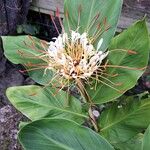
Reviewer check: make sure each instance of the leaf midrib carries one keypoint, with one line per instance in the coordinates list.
(51, 140)
(113, 70)
(53, 107)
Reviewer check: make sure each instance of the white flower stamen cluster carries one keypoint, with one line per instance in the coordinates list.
(74, 57)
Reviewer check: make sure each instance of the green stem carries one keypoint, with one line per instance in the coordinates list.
(93, 120)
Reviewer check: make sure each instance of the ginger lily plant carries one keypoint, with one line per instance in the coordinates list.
(85, 57)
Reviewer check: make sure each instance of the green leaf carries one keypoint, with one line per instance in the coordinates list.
(25, 50)
(13, 45)
(28, 29)
(60, 134)
(22, 124)
(36, 102)
(146, 139)
(130, 51)
(121, 123)
(139, 142)
(88, 10)
(133, 144)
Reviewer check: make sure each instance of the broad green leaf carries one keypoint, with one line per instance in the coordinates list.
(130, 51)
(20, 49)
(133, 144)
(36, 102)
(81, 13)
(25, 50)
(139, 142)
(121, 123)
(60, 134)
(146, 139)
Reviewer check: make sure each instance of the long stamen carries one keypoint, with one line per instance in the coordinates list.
(33, 47)
(109, 75)
(50, 82)
(123, 67)
(93, 21)
(67, 17)
(98, 28)
(54, 24)
(32, 69)
(60, 21)
(62, 86)
(33, 57)
(116, 84)
(44, 45)
(109, 85)
(29, 55)
(101, 31)
(35, 65)
(124, 50)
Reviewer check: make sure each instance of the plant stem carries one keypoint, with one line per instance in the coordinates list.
(93, 120)
(84, 93)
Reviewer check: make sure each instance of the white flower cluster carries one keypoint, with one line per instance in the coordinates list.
(74, 57)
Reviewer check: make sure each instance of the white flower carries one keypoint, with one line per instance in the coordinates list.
(75, 57)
